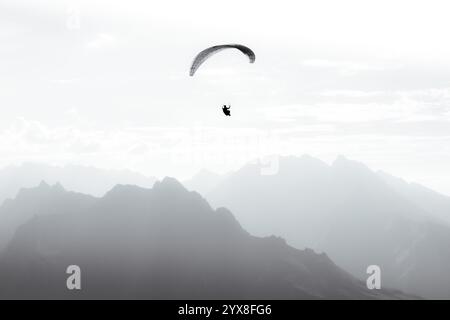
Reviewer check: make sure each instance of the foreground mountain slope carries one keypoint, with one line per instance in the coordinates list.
(347, 211)
(160, 243)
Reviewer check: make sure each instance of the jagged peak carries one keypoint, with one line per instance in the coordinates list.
(343, 160)
(58, 186)
(43, 184)
(122, 189)
(169, 183)
(42, 189)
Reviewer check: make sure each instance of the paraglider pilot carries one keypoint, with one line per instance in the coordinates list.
(226, 110)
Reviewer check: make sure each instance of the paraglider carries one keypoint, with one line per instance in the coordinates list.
(205, 54)
(226, 110)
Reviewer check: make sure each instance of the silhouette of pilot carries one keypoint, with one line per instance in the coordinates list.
(226, 110)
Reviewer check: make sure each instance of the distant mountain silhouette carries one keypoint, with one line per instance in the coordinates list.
(42, 200)
(436, 204)
(352, 214)
(83, 179)
(204, 181)
(163, 242)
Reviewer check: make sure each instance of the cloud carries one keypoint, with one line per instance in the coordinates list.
(101, 41)
(354, 88)
(25, 136)
(352, 94)
(344, 68)
(181, 151)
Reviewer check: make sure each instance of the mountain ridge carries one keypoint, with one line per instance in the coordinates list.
(84, 179)
(165, 243)
(348, 211)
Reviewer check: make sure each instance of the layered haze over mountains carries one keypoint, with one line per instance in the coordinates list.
(168, 242)
(79, 178)
(97, 109)
(160, 243)
(357, 216)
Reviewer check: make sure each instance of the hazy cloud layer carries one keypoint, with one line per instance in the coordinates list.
(107, 84)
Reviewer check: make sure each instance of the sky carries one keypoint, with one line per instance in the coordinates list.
(106, 84)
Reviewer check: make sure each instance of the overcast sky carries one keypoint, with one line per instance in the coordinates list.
(105, 83)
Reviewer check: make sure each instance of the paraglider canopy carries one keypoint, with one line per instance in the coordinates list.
(205, 54)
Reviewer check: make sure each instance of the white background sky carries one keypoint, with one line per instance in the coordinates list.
(105, 83)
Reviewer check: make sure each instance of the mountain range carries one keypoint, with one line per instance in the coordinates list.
(89, 180)
(158, 243)
(357, 216)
